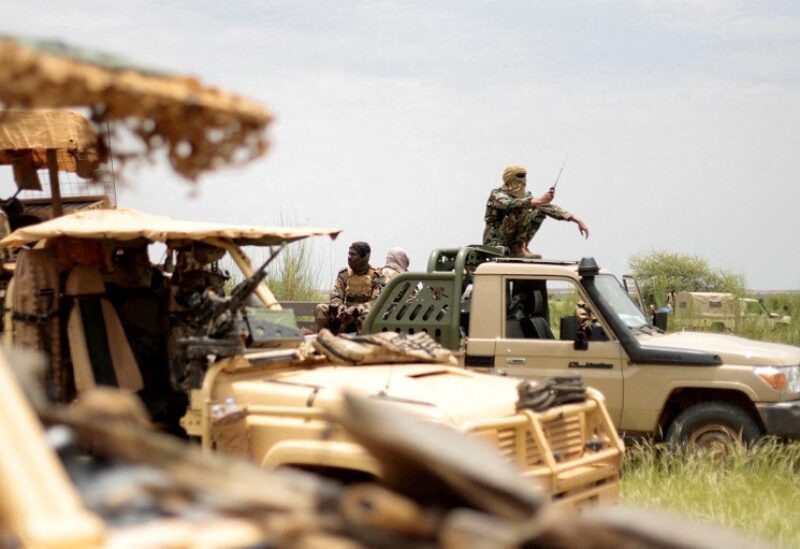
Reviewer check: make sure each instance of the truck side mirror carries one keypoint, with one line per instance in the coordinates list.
(568, 330)
(661, 320)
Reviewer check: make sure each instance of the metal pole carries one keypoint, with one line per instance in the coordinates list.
(55, 189)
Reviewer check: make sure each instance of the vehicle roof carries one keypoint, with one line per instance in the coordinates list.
(707, 296)
(523, 267)
(127, 224)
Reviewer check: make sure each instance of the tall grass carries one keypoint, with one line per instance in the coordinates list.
(752, 489)
(293, 276)
(297, 275)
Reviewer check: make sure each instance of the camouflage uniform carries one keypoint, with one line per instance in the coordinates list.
(5, 230)
(349, 289)
(513, 221)
(586, 319)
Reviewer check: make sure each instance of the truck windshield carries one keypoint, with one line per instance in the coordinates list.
(617, 298)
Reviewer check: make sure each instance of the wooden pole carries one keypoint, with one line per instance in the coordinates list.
(55, 189)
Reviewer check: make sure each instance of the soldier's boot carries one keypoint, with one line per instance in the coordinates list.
(518, 250)
(531, 254)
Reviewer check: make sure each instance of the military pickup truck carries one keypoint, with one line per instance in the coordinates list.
(518, 317)
(723, 311)
(225, 364)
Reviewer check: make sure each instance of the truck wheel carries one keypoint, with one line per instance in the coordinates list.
(710, 424)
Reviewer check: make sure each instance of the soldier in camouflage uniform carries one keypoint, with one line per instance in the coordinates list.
(355, 289)
(513, 216)
(586, 320)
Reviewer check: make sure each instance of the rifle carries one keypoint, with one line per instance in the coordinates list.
(214, 327)
(216, 314)
(559, 172)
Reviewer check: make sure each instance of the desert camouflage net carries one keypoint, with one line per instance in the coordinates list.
(200, 127)
(382, 348)
(32, 132)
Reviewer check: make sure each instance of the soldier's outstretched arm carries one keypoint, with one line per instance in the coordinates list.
(557, 212)
(581, 226)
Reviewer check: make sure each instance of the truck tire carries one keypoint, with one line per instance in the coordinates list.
(713, 423)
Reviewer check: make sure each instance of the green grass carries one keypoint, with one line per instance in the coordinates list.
(754, 490)
(293, 276)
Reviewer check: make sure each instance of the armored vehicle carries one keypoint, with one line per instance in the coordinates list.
(541, 318)
(93, 476)
(229, 367)
(723, 311)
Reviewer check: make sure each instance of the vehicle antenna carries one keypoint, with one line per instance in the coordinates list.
(559, 171)
(111, 159)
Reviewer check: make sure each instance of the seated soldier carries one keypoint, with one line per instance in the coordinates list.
(138, 292)
(196, 274)
(353, 293)
(396, 263)
(586, 320)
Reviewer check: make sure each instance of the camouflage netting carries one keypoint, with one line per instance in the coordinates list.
(201, 128)
(27, 135)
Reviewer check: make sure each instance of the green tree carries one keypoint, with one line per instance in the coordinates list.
(661, 272)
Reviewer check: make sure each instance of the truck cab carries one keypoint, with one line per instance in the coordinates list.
(518, 317)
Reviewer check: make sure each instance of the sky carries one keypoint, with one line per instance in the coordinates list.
(680, 119)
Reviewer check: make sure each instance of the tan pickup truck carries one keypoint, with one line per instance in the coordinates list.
(519, 317)
(234, 371)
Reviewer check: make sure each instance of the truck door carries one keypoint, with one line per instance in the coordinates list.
(632, 287)
(539, 337)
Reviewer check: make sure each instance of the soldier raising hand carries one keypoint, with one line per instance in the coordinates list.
(513, 216)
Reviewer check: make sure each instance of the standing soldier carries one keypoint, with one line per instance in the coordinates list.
(513, 216)
(357, 286)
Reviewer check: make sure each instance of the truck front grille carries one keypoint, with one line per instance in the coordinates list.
(564, 437)
(529, 437)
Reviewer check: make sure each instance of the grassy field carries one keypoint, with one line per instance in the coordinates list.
(753, 490)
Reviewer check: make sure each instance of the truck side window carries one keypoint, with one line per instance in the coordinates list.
(543, 309)
(526, 310)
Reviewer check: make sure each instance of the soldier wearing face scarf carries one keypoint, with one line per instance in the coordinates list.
(513, 216)
(356, 287)
(396, 263)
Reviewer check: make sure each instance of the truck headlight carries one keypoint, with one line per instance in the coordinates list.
(781, 378)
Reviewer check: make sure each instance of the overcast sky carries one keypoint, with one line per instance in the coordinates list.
(395, 119)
